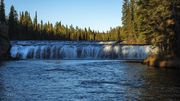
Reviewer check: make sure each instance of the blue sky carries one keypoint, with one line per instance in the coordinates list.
(97, 14)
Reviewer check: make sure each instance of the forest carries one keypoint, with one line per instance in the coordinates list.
(24, 27)
(154, 22)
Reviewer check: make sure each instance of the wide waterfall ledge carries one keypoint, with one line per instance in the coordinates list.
(77, 50)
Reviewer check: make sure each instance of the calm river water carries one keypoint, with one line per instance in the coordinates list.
(86, 80)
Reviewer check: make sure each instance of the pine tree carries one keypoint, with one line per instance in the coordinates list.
(125, 12)
(35, 22)
(159, 23)
(130, 22)
(13, 23)
(2, 12)
(133, 10)
(26, 29)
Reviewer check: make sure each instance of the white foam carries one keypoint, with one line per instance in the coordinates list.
(69, 50)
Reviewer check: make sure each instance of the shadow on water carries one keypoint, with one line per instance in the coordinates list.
(2, 88)
(160, 85)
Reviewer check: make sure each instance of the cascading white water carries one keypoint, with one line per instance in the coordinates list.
(77, 50)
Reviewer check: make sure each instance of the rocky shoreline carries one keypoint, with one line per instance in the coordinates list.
(166, 61)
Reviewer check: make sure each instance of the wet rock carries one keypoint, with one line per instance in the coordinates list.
(166, 61)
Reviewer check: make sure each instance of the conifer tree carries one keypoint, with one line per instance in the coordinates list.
(2, 12)
(13, 23)
(35, 22)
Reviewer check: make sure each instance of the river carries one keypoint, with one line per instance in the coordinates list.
(84, 79)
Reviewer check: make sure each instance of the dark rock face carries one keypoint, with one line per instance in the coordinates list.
(4, 41)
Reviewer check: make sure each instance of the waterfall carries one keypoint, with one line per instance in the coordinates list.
(77, 50)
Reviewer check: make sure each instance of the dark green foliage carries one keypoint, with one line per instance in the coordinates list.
(26, 29)
(4, 38)
(129, 22)
(35, 22)
(158, 23)
(153, 22)
(2, 12)
(13, 23)
(23, 28)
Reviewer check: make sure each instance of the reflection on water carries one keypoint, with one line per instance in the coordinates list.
(86, 80)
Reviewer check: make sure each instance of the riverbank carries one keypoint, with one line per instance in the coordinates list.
(170, 62)
(4, 42)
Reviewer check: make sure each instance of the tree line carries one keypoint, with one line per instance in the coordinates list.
(24, 27)
(155, 22)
